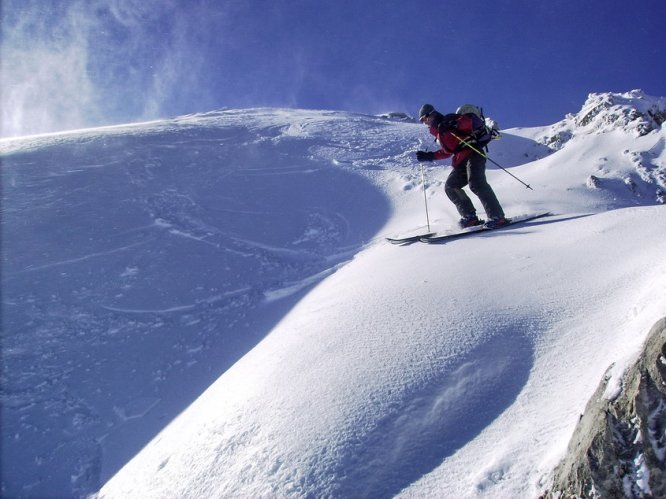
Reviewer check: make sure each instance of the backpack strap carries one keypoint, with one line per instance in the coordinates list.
(448, 123)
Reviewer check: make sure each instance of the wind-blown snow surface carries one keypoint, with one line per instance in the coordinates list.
(206, 307)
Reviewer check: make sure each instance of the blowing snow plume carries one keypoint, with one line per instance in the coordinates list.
(75, 64)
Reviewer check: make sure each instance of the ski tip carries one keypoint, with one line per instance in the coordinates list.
(408, 240)
(397, 242)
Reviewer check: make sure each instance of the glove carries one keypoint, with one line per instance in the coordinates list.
(425, 156)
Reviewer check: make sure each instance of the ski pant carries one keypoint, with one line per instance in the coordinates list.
(472, 172)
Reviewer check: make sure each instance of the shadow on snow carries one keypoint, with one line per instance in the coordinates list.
(137, 268)
(439, 418)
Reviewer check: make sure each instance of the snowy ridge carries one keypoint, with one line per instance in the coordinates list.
(231, 321)
(616, 141)
(633, 112)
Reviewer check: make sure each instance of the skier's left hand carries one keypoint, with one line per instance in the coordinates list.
(425, 156)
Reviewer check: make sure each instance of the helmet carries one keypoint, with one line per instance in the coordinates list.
(426, 109)
(470, 109)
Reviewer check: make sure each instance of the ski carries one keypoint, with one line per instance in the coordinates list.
(438, 238)
(409, 239)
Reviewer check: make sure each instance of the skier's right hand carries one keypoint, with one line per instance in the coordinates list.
(425, 156)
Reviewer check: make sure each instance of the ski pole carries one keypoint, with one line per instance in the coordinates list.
(489, 159)
(425, 198)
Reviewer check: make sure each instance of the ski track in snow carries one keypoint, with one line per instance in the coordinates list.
(145, 264)
(173, 262)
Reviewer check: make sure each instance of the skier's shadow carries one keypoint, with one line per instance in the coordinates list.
(520, 227)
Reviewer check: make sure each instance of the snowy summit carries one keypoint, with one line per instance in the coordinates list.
(207, 306)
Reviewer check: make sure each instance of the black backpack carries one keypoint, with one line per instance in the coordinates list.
(485, 129)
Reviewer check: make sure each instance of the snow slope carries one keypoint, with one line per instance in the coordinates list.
(206, 306)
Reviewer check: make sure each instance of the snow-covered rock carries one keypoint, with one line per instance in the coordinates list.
(619, 446)
(622, 122)
(398, 116)
(633, 112)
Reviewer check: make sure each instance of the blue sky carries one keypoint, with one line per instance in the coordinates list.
(72, 63)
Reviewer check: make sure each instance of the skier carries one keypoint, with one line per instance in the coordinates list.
(469, 167)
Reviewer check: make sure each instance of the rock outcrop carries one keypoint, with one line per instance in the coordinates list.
(619, 446)
(633, 112)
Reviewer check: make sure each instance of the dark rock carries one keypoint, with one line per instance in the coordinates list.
(619, 446)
